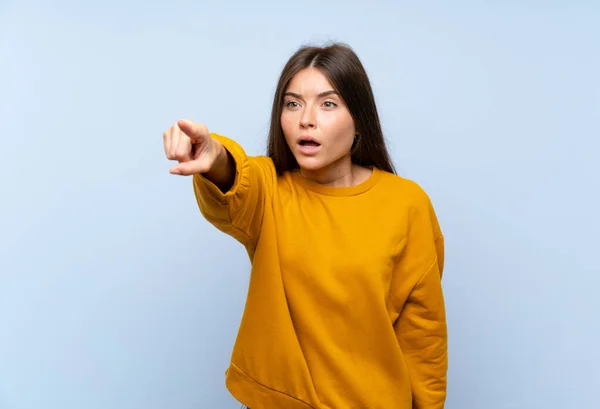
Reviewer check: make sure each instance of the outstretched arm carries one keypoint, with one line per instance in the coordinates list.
(231, 188)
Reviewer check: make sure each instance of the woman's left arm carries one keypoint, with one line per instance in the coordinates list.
(422, 334)
(420, 323)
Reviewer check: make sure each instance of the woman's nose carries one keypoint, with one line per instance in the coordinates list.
(307, 119)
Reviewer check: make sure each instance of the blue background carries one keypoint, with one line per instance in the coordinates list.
(115, 293)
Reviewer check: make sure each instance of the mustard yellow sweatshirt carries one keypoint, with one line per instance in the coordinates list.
(345, 307)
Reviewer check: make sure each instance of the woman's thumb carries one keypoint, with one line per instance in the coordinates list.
(188, 168)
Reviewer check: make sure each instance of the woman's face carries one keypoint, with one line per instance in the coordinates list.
(316, 123)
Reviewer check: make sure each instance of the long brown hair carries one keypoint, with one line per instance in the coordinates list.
(342, 67)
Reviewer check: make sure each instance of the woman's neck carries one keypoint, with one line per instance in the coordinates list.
(342, 173)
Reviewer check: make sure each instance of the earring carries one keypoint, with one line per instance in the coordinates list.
(355, 144)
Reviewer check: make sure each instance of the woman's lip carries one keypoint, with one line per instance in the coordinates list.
(308, 150)
(307, 138)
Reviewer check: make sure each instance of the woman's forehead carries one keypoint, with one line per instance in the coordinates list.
(309, 81)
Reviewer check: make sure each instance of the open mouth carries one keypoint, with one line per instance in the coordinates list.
(307, 145)
(311, 144)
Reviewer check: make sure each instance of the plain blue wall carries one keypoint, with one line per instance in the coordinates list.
(115, 293)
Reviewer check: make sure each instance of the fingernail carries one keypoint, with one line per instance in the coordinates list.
(175, 171)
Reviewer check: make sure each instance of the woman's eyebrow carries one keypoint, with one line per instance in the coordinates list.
(322, 94)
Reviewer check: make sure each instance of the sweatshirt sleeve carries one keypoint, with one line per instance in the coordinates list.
(421, 332)
(239, 211)
(421, 324)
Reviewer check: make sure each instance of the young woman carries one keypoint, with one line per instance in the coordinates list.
(345, 306)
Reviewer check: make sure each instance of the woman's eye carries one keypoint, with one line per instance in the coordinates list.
(329, 104)
(291, 104)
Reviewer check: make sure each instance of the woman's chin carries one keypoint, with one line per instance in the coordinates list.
(310, 163)
(318, 162)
